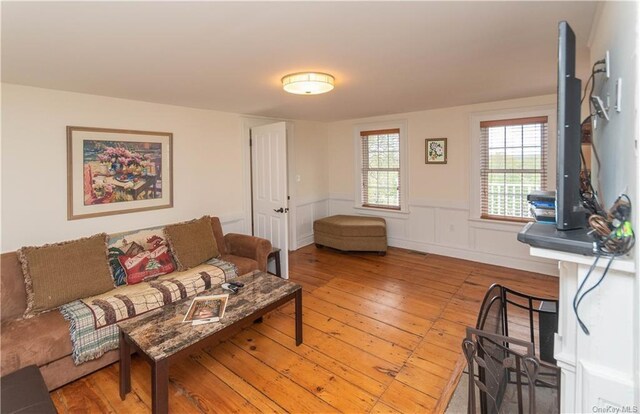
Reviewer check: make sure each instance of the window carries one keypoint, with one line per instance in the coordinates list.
(513, 163)
(380, 169)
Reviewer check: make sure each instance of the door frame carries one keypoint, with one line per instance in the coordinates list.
(246, 125)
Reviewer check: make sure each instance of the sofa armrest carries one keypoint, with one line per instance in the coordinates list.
(255, 248)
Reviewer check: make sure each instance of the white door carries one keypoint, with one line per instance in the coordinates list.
(269, 188)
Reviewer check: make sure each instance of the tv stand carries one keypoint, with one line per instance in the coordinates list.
(546, 236)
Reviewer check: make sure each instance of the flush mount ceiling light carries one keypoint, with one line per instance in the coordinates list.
(308, 83)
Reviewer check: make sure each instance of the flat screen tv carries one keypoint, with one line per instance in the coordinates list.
(569, 211)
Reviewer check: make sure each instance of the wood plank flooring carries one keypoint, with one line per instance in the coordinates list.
(381, 335)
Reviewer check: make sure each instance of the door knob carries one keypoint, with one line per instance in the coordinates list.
(280, 210)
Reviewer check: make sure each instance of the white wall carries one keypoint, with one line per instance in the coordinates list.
(309, 177)
(439, 195)
(615, 139)
(207, 162)
(210, 173)
(616, 29)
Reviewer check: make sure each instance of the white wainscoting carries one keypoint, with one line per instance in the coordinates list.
(307, 211)
(446, 229)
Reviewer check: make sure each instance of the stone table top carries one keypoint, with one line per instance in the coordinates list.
(161, 333)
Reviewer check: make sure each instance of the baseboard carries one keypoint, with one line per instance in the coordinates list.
(305, 240)
(537, 266)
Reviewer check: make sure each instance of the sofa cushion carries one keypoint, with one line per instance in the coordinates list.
(219, 236)
(192, 242)
(243, 264)
(59, 273)
(139, 255)
(34, 341)
(13, 298)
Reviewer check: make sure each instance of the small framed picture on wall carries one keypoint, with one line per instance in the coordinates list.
(435, 151)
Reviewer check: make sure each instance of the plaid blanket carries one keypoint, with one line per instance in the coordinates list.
(93, 320)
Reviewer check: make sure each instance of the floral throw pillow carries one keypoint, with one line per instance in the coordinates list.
(147, 264)
(139, 255)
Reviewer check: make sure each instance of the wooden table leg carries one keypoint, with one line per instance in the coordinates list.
(278, 269)
(298, 317)
(125, 367)
(160, 387)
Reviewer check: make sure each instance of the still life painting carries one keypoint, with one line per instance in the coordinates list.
(436, 151)
(117, 171)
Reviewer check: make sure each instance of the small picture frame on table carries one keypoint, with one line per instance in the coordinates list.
(435, 151)
(206, 309)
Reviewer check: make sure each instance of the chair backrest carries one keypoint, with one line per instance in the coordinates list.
(511, 371)
(511, 313)
(491, 317)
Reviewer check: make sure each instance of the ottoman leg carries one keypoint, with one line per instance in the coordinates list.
(319, 246)
(382, 253)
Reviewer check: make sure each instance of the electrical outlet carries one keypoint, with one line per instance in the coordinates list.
(607, 64)
(600, 107)
(619, 95)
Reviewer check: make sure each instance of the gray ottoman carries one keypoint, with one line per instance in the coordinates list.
(351, 233)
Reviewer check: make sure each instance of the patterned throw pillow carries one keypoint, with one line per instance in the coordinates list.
(147, 264)
(139, 255)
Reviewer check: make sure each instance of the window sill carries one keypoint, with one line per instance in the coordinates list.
(483, 223)
(401, 214)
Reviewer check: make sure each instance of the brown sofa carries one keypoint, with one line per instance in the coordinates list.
(44, 340)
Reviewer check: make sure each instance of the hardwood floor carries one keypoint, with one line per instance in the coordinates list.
(381, 335)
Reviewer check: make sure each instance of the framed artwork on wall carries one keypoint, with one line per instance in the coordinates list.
(114, 171)
(435, 151)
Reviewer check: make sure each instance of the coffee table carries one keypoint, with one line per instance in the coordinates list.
(161, 337)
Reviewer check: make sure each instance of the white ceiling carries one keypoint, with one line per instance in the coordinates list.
(387, 57)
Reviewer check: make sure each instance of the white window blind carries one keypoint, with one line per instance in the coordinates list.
(381, 169)
(513, 163)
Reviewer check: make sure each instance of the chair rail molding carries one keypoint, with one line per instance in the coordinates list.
(444, 227)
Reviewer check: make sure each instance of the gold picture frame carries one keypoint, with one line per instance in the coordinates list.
(117, 171)
(435, 151)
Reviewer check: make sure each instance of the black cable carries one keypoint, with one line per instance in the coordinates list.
(575, 306)
(584, 92)
(588, 193)
(575, 298)
(617, 245)
(592, 80)
(618, 242)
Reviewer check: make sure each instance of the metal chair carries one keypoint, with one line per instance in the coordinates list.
(512, 373)
(511, 313)
(516, 328)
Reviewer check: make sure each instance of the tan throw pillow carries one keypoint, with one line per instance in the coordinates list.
(192, 243)
(55, 274)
